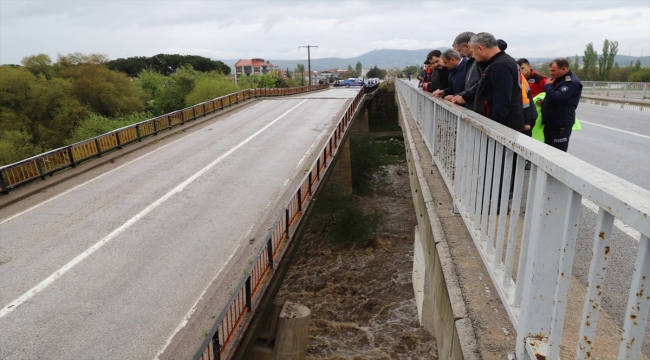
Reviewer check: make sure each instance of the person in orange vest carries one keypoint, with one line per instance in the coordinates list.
(535, 80)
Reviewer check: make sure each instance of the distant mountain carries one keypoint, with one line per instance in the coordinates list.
(384, 59)
(392, 58)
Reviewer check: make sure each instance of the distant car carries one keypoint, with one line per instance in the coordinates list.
(337, 83)
(352, 82)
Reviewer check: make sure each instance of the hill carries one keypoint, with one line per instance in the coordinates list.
(392, 58)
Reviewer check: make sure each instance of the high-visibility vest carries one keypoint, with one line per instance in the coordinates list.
(524, 91)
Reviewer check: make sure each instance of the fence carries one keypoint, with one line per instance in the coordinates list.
(473, 153)
(628, 90)
(39, 166)
(234, 319)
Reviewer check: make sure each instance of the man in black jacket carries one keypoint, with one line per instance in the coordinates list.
(440, 74)
(498, 93)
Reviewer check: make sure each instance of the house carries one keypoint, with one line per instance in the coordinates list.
(253, 67)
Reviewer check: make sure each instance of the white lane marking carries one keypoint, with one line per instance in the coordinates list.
(104, 174)
(615, 129)
(633, 233)
(189, 314)
(57, 274)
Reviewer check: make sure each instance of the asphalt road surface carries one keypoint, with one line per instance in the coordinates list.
(113, 269)
(617, 140)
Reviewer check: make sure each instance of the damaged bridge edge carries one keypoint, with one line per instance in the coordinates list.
(442, 310)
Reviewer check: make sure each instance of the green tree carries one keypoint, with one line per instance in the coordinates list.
(45, 110)
(374, 72)
(40, 64)
(78, 58)
(208, 86)
(350, 70)
(16, 145)
(589, 60)
(106, 91)
(150, 81)
(606, 61)
(300, 70)
(637, 66)
(358, 69)
(177, 86)
(642, 75)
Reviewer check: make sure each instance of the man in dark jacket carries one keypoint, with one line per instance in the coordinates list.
(440, 74)
(498, 93)
(457, 70)
(466, 97)
(559, 107)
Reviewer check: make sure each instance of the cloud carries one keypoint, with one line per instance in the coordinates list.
(274, 29)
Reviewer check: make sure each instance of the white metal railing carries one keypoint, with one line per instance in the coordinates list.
(479, 159)
(628, 90)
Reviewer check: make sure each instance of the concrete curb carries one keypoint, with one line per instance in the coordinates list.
(40, 185)
(451, 324)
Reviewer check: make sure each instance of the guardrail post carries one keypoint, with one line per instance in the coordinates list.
(300, 199)
(269, 251)
(593, 87)
(182, 117)
(155, 127)
(608, 86)
(72, 162)
(318, 168)
(645, 90)
(3, 185)
(309, 181)
(99, 148)
(39, 162)
(119, 141)
(137, 132)
(248, 292)
(203, 109)
(216, 347)
(625, 90)
(286, 223)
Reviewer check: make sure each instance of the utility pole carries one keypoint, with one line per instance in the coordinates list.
(308, 59)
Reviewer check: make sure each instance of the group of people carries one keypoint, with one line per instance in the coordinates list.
(478, 74)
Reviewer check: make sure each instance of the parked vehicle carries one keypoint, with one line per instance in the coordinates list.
(352, 82)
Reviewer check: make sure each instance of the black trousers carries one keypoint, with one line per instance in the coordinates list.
(557, 137)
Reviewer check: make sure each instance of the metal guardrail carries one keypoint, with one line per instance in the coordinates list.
(233, 321)
(628, 90)
(473, 153)
(39, 166)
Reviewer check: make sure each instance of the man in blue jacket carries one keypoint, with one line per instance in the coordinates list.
(559, 107)
(457, 71)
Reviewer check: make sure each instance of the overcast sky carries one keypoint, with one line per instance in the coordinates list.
(274, 29)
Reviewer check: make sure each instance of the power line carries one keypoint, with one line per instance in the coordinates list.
(308, 59)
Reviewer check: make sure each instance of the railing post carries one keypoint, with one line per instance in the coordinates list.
(608, 86)
(99, 148)
(593, 87)
(625, 90)
(216, 347)
(137, 132)
(119, 141)
(39, 162)
(286, 223)
(300, 199)
(73, 163)
(269, 252)
(543, 260)
(3, 184)
(155, 127)
(248, 292)
(645, 90)
(183, 116)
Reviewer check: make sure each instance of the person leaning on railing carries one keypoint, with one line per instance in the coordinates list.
(559, 106)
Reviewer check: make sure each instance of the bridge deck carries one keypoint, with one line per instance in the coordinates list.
(114, 268)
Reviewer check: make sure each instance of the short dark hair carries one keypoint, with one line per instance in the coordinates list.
(523, 61)
(426, 62)
(560, 62)
(433, 53)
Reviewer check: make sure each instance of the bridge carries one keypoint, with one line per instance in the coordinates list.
(177, 232)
